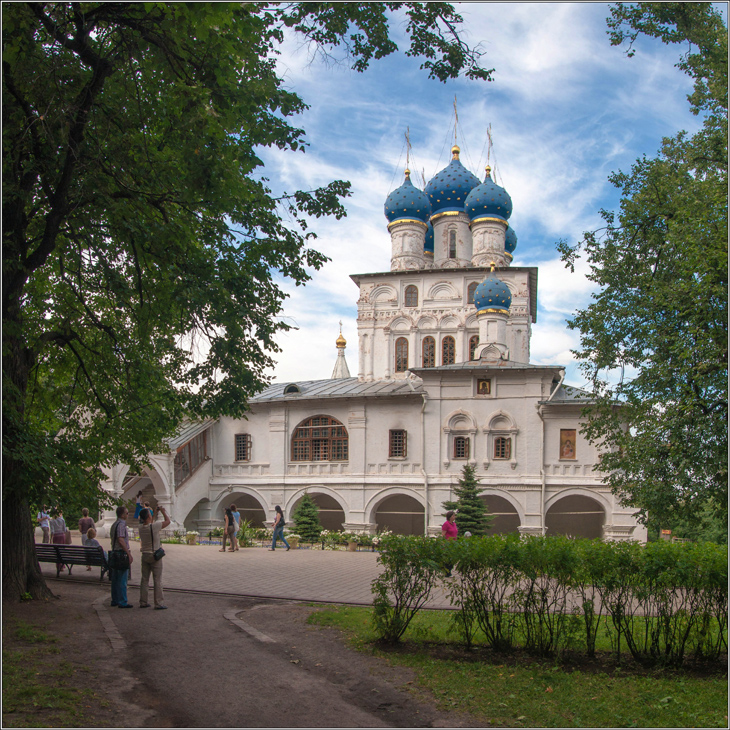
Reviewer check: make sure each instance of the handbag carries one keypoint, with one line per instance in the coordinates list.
(118, 560)
(68, 537)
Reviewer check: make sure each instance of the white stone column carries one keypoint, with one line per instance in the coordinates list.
(488, 242)
(442, 224)
(408, 238)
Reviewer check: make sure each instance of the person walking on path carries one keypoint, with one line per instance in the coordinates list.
(120, 541)
(228, 531)
(138, 504)
(149, 538)
(85, 524)
(237, 518)
(279, 524)
(44, 521)
(58, 530)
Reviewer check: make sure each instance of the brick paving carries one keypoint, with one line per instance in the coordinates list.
(331, 576)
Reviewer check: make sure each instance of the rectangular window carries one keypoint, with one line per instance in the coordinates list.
(398, 442)
(567, 443)
(461, 447)
(502, 448)
(243, 447)
(190, 456)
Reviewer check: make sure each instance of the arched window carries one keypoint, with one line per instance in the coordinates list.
(429, 352)
(411, 296)
(470, 292)
(320, 438)
(448, 350)
(502, 447)
(452, 244)
(401, 355)
(473, 342)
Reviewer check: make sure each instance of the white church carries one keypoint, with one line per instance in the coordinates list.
(443, 379)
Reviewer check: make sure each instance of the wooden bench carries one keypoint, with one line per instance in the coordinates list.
(70, 555)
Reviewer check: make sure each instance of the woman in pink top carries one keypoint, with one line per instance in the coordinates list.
(449, 529)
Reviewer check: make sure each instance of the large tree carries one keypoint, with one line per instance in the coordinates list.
(659, 319)
(142, 244)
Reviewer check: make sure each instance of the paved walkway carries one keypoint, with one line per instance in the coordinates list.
(330, 576)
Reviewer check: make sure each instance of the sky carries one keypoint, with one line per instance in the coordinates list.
(565, 109)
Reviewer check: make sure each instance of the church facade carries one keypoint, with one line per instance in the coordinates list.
(444, 379)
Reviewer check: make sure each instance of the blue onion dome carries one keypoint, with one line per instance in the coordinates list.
(488, 200)
(492, 294)
(428, 243)
(447, 190)
(407, 203)
(510, 240)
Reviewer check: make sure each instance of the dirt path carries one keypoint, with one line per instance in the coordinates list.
(217, 661)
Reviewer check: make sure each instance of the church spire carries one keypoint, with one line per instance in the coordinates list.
(341, 370)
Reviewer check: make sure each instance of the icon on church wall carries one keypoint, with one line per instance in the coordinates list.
(567, 443)
(484, 387)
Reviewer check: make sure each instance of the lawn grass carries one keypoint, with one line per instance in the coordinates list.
(38, 686)
(539, 693)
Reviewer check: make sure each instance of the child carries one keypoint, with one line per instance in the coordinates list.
(91, 541)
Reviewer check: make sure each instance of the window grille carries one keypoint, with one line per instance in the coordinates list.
(452, 244)
(411, 296)
(461, 447)
(243, 447)
(473, 342)
(448, 350)
(398, 442)
(502, 447)
(189, 457)
(429, 352)
(320, 438)
(401, 355)
(470, 292)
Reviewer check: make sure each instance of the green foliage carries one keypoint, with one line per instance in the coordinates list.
(411, 566)
(306, 519)
(660, 314)
(143, 249)
(472, 511)
(659, 602)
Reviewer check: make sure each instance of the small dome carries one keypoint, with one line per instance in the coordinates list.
(407, 201)
(341, 341)
(510, 240)
(447, 190)
(488, 200)
(429, 242)
(492, 294)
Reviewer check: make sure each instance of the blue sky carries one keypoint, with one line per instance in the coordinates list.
(565, 108)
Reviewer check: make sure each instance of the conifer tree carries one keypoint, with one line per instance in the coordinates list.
(306, 519)
(473, 516)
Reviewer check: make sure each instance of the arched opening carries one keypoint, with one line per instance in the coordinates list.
(250, 509)
(473, 342)
(320, 438)
(331, 514)
(470, 292)
(429, 352)
(401, 355)
(506, 519)
(411, 296)
(576, 516)
(400, 514)
(448, 350)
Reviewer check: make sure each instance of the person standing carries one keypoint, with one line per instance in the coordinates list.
(279, 524)
(58, 530)
(138, 504)
(237, 519)
(85, 524)
(120, 541)
(44, 520)
(450, 532)
(149, 538)
(228, 531)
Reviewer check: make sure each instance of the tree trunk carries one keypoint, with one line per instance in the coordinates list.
(21, 571)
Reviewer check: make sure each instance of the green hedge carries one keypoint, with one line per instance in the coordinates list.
(659, 601)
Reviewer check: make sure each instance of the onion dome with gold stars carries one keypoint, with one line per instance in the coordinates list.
(492, 295)
(488, 200)
(447, 190)
(407, 203)
(510, 240)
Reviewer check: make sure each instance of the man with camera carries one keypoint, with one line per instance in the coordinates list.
(149, 538)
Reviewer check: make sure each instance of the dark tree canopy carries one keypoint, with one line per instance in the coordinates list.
(142, 243)
(660, 314)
